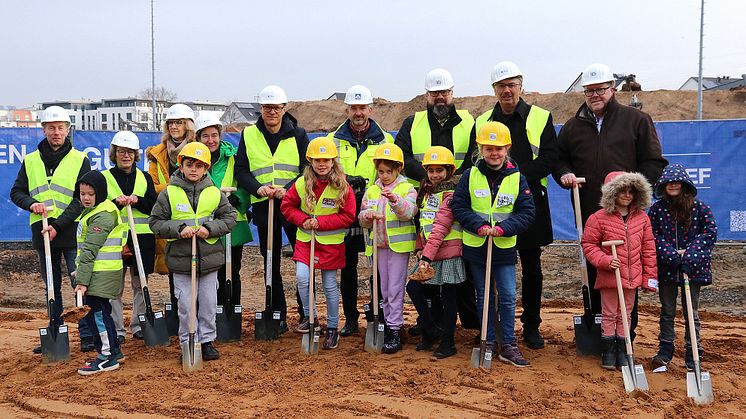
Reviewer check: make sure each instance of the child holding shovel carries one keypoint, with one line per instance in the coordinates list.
(624, 198)
(685, 233)
(192, 206)
(392, 201)
(320, 200)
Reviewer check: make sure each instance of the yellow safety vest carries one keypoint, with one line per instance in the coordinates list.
(277, 169)
(181, 208)
(229, 180)
(535, 123)
(402, 235)
(109, 257)
(362, 165)
(492, 212)
(326, 205)
(56, 191)
(140, 189)
(429, 208)
(421, 137)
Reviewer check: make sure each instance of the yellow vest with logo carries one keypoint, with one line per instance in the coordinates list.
(325, 205)
(141, 187)
(429, 208)
(402, 235)
(56, 191)
(277, 169)
(493, 212)
(181, 208)
(421, 137)
(535, 123)
(355, 165)
(109, 257)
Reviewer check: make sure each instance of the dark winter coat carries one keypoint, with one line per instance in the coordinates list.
(670, 236)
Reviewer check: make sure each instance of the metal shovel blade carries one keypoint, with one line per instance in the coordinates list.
(587, 337)
(154, 328)
(172, 319)
(481, 357)
(228, 322)
(55, 344)
(700, 391)
(266, 325)
(309, 343)
(634, 380)
(191, 355)
(374, 336)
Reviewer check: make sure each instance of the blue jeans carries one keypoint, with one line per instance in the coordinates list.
(329, 282)
(57, 254)
(504, 277)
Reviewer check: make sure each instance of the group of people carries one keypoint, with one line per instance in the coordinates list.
(439, 190)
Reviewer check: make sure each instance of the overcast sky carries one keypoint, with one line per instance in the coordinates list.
(225, 50)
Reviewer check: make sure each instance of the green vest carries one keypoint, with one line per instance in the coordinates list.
(56, 191)
(421, 140)
(535, 123)
(229, 180)
(362, 165)
(141, 187)
(277, 169)
(429, 208)
(109, 257)
(325, 205)
(402, 235)
(181, 208)
(492, 212)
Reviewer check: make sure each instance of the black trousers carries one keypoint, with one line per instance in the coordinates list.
(596, 300)
(531, 287)
(348, 284)
(466, 300)
(445, 303)
(236, 255)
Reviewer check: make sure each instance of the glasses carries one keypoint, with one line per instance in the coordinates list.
(510, 86)
(600, 91)
(444, 93)
(177, 122)
(125, 152)
(271, 109)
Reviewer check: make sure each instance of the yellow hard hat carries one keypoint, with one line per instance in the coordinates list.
(438, 155)
(389, 151)
(493, 133)
(321, 148)
(195, 150)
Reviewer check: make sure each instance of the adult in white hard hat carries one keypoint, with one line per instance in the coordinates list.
(534, 149)
(45, 184)
(605, 136)
(357, 139)
(128, 185)
(271, 156)
(441, 124)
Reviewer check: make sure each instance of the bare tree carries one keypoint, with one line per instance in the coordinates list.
(161, 93)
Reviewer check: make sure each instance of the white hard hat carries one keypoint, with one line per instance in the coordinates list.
(179, 111)
(204, 121)
(55, 114)
(272, 95)
(596, 73)
(358, 95)
(438, 79)
(126, 139)
(505, 70)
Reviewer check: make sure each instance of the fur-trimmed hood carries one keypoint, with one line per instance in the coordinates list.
(447, 185)
(616, 182)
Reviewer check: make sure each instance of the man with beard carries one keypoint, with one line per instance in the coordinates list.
(357, 140)
(535, 150)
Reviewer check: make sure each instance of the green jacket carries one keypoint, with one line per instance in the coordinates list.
(241, 233)
(104, 284)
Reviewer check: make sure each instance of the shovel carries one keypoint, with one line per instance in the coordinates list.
(587, 325)
(191, 351)
(228, 317)
(374, 329)
(55, 343)
(309, 344)
(267, 322)
(481, 356)
(698, 383)
(152, 323)
(633, 375)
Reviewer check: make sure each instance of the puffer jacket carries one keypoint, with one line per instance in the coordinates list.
(210, 257)
(637, 254)
(435, 248)
(670, 236)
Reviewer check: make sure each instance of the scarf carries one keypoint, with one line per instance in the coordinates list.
(174, 149)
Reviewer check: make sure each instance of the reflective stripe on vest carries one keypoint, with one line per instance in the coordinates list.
(355, 165)
(181, 209)
(492, 212)
(326, 205)
(402, 235)
(277, 169)
(535, 122)
(230, 181)
(428, 210)
(56, 191)
(421, 137)
(109, 256)
(140, 189)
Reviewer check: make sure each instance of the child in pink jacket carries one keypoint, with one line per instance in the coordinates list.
(624, 199)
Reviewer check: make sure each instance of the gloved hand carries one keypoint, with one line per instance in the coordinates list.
(685, 268)
(234, 201)
(357, 182)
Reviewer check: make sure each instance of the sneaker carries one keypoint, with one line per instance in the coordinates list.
(658, 361)
(446, 348)
(86, 344)
(331, 340)
(118, 356)
(138, 335)
(209, 352)
(305, 324)
(349, 328)
(37, 350)
(510, 354)
(98, 365)
(532, 337)
(283, 327)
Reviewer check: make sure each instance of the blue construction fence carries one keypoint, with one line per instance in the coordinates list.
(711, 151)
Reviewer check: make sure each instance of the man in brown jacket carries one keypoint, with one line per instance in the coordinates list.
(605, 136)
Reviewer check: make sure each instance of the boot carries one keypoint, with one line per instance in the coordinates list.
(689, 358)
(446, 348)
(392, 344)
(621, 352)
(209, 352)
(532, 337)
(664, 355)
(430, 334)
(608, 352)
